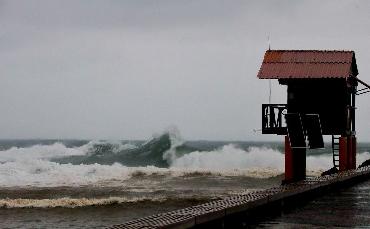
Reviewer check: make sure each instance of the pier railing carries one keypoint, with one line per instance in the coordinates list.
(273, 121)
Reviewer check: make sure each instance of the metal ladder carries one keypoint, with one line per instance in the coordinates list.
(335, 149)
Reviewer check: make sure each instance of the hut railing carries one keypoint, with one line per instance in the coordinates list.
(273, 121)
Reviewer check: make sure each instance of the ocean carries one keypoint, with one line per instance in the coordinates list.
(98, 183)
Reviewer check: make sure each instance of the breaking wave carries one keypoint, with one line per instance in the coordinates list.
(231, 157)
(166, 154)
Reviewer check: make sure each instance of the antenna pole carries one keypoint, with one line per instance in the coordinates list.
(269, 91)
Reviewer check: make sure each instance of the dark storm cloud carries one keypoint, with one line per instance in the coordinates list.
(127, 69)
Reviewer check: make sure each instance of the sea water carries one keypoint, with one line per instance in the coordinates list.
(97, 183)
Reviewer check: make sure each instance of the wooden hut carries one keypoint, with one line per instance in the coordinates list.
(321, 92)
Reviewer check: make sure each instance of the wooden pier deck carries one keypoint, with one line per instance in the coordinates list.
(236, 211)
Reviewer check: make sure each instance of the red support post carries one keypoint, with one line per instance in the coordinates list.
(295, 163)
(343, 154)
(347, 153)
(288, 160)
(352, 145)
(354, 151)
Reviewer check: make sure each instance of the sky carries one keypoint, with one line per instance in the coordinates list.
(128, 69)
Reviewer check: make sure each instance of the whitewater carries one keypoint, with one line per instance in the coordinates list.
(40, 180)
(113, 162)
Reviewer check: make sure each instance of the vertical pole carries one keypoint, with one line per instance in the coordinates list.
(295, 163)
(353, 136)
(352, 152)
(347, 153)
(348, 120)
(288, 160)
(343, 154)
(353, 115)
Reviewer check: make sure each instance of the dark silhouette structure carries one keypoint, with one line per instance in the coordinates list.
(321, 95)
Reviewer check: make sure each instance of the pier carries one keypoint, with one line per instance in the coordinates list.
(241, 210)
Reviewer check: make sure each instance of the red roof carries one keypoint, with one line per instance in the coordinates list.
(296, 64)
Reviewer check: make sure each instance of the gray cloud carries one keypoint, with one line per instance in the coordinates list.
(127, 69)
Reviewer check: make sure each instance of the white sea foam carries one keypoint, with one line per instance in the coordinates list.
(226, 161)
(176, 141)
(41, 152)
(318, 164)
(72, 202)
(120, 147)
(41, 173)
(230, 157)
(56, 150)
(255, 162)
(32, 166)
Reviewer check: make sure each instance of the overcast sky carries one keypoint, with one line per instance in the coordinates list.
(128, 69)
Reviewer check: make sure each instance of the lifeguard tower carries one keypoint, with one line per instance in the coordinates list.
(321, 95)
